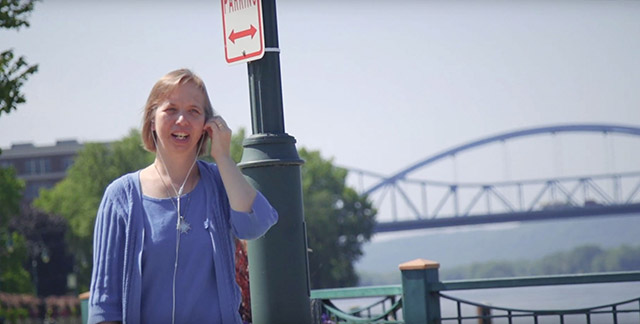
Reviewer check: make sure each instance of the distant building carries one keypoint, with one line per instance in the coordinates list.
(40, 166)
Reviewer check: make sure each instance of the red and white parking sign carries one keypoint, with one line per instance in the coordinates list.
(243, 32)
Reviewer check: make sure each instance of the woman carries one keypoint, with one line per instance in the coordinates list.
(164, 235)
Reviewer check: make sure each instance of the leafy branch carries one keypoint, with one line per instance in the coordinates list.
(13, 13)
(13, 74)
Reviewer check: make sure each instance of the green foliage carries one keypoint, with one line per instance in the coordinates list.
(236, 147)
(13, 73)
(128, 155)
(13, 13)
(338, 221)
(13, 251)
(14, 315)
(236, 144)
(578, 260)
(44, 234)
(78, 196)
(583, 259)
(13, 277)
(10, 194)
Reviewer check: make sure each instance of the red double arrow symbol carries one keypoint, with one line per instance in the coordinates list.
(243, 33)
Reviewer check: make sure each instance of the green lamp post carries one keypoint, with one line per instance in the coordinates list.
(278, 265)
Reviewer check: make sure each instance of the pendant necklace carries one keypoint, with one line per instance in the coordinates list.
(182, 225)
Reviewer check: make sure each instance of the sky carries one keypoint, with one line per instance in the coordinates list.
(371, 84)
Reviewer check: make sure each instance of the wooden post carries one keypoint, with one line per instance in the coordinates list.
(420, 300)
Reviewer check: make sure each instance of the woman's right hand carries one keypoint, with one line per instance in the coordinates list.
(220, 135)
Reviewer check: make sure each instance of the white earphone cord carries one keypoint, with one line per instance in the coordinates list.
(178, 193)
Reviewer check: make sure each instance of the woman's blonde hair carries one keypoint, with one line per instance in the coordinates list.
(160, 91)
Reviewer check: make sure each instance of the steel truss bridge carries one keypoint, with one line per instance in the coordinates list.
(406, 197)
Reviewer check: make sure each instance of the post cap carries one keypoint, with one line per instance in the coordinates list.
(84, 295)
(419, 264)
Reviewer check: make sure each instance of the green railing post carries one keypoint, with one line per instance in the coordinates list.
(84, 307)
(421, 303)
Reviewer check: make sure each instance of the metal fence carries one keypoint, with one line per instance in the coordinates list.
(485, 314)
(418, 300)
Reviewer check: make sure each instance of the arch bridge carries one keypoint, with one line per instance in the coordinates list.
(406, 200)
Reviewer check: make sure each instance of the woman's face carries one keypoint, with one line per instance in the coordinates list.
(180, 118)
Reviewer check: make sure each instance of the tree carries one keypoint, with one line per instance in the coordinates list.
(78, 196)
(10, 194)
(47, 254)
(13, 277)
(338, 222)
(235, 148)
(13, 73)
(236, 144)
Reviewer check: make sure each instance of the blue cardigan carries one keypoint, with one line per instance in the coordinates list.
(119, 242)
